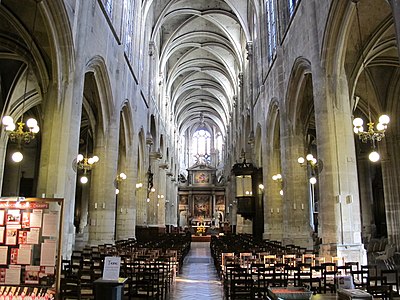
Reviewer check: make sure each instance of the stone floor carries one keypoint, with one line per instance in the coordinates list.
(198, 279)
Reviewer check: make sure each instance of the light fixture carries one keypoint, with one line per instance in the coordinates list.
(86, 164)
(120, 177)
(21, 132)
(17, 156)
(278, 178)
(314, 165)
(372, 134)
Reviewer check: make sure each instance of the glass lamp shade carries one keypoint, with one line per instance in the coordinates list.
(374, 156)
(358, 122)
(384, 119)
(301, 160)
(17, 157)
(116, 191)
(313, 180)
(309, 157)
(122, 176)
(7, 120)
(380, 126)
(10, 127)
(79, 157)
(31, 123)
(84, 180)
(35, 129)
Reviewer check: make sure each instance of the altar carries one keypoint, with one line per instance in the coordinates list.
(201, 201)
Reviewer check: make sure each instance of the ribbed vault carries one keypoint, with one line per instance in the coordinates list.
(200, 54)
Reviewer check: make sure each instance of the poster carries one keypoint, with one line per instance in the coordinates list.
(26, 219)
(24, 255)
(1, 217)
(13, 275)
(50, 224)
(3, 255)
(13, 217)
(11, 235)
(2, 234)
(32, 274)
(33, 236)
(48, 253)
(36, 218)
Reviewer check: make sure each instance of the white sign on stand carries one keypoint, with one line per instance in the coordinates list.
(112, 265)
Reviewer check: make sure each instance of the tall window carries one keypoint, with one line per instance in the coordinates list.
(292, 5)
(128, 15)
(271, 24)
(201, 145)
(219, 146)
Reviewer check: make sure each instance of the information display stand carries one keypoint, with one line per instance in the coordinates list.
(30, 245)
(109, 289)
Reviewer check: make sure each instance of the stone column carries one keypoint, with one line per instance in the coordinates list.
(339, 214)
(126, 203)
(161, 198)
(296, 196)
(102, 201)
(60, 138)
(366, 197)
(390, 176)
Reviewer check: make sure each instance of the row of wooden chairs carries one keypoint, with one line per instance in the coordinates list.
(149, 268)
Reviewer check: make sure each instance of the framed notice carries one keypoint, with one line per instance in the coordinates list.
(111, 268)
(1, 217)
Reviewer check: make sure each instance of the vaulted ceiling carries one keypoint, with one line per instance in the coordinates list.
(200, 48)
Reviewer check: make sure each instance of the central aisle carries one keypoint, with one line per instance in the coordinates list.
(198, 279)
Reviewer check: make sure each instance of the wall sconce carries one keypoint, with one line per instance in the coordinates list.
(278, 178)
(120, 177)
(86, 164)
(314, 164)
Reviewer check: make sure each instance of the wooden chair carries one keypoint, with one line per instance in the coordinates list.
(329, 276)
(310, 277)
(70, 287)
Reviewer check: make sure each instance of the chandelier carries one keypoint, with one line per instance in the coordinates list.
(372, 134)
(86, 164)
(21, 132)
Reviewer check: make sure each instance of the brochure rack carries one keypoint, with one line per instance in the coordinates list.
(30, 245)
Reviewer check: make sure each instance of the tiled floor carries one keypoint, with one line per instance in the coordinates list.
(198, 279)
